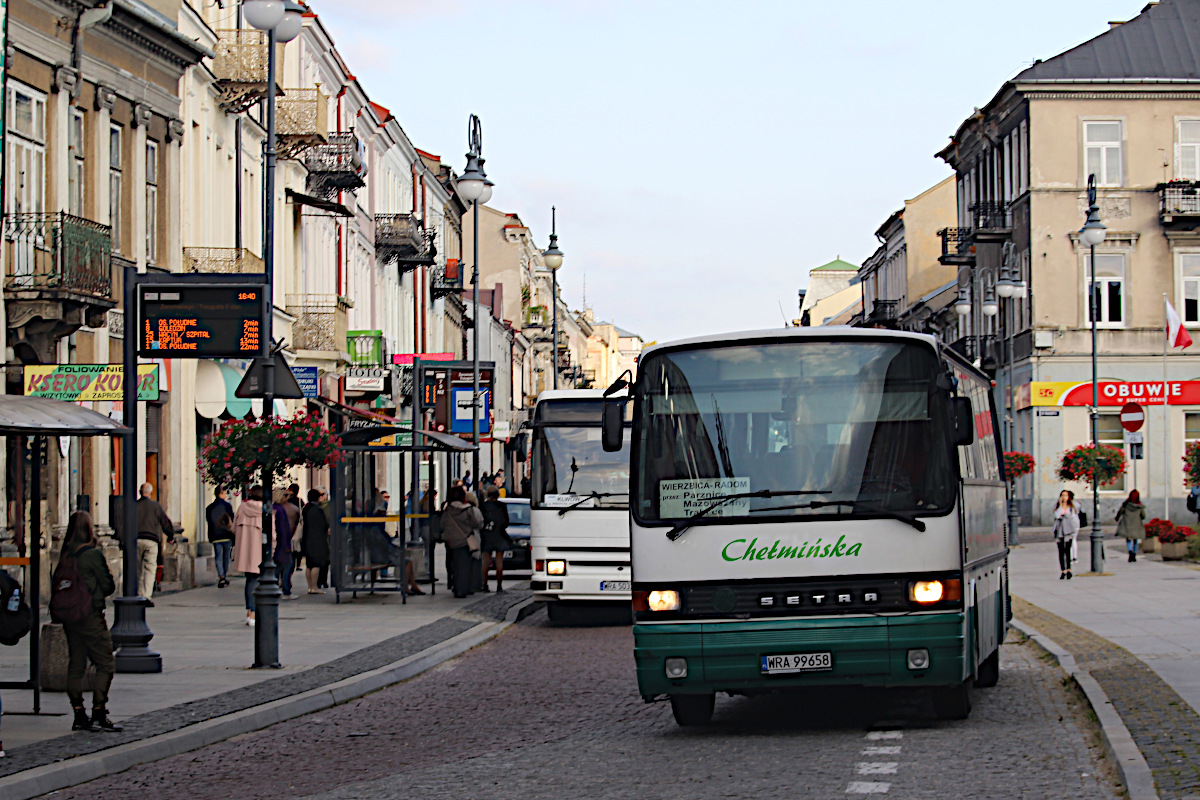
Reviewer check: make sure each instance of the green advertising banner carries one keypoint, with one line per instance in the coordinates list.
(79, 382)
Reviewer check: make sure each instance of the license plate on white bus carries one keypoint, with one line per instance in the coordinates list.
(615, 586)
(799, 662)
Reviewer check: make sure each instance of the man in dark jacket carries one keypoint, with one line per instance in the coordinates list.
(220, 533)
(152, 525)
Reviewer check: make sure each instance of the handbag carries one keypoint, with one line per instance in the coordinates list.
(473, 542)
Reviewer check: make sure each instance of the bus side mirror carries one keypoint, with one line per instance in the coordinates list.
(964, 421)
(520, 446)
(612, 432)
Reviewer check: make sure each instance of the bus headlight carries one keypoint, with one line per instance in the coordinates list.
(556, 567)
(665, 600)
(926, 591)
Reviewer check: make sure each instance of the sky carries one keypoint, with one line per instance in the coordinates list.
(703, 156)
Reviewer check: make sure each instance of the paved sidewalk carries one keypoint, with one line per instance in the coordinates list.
(207, 650)
(1137, 631)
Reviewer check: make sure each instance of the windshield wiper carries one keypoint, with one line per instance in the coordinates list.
(562, 512)
(679, 527)
(883, 512)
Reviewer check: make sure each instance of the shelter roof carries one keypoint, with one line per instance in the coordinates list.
(42, 416)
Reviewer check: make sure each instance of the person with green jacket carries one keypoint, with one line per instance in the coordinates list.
(89, 638)
(1131, 523)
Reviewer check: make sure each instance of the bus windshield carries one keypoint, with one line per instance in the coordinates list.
(570, 465)
(858, 425)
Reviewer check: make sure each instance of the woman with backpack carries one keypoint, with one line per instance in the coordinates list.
(80, 583)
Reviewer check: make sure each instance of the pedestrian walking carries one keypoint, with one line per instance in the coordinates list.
(80, 584)
(495, 537)
(283, 544)
(1131, 523)
(1066, 527)
(314, 541)
(247, 544)
(498, 480)
(219, 515)
(1193, 502)
(467, 480)
(153, 524)
(461, 522)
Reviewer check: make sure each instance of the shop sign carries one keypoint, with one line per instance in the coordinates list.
(307, 378)
(406, 359)
(84, 382)
(1115, 393)
(367, 379)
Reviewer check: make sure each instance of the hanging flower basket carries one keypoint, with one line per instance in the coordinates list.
(1101, 465)
(1017, 465)
(234, 454)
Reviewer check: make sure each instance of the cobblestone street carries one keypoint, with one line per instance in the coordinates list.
(548, 712)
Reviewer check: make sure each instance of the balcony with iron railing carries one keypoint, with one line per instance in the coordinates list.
(335, 166)
(958, 246)
(58, 252)
(320, 322)
(300, 121)
(564, 357)
(1179, 204)
(992, 220)
(447, 280)
(240, 68)
(223, 260)
(367, 348)
(400, 240)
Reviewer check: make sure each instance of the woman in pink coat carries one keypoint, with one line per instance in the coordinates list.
(247, 545)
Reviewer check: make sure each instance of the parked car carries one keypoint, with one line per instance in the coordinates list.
(517, 562)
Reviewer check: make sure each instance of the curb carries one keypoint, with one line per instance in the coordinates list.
(72, 772)
(1131, 765)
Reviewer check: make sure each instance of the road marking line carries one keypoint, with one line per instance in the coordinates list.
(885, 750)
(868, 787)
(875, 736)
(877, 767)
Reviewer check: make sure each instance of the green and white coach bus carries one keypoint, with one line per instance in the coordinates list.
(813, 507)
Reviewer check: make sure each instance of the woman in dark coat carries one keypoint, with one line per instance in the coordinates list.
(495, 537)
(314, 540)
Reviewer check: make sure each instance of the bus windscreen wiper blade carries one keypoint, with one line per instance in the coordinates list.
(679, 527)
(562, 512)
(883, 512)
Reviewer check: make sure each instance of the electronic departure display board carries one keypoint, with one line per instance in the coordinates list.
(201, 321)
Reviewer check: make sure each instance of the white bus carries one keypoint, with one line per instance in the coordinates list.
(813, 507)
(579, 519)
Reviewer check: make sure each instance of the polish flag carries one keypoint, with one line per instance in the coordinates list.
(1177, 335)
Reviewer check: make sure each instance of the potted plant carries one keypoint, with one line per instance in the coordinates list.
(1175, 543)
(1099, 465)
(1154, 529)
(234, 455)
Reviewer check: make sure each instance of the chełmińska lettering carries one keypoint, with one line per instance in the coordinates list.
(738, 550)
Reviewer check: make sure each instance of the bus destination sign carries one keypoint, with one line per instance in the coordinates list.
(213, 321)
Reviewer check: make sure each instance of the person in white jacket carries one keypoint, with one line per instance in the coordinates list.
(1066, 528)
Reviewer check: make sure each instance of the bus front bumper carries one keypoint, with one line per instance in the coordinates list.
(865, 651)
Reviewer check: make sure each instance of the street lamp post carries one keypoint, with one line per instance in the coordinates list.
(475, 188)
(1091, 234)
(282, 21)
(553, 259)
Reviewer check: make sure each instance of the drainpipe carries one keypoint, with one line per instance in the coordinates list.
(86, 19)
(341, 224)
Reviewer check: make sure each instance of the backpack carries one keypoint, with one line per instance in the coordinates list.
(13, 624)
(70, 600)
(1191, 501)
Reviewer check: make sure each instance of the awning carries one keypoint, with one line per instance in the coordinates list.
(337, 209)
(41, 416)
(388, 426)
(216, 383)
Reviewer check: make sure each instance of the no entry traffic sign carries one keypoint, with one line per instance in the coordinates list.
(1133, 416)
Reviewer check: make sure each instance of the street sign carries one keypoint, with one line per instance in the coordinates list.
(462, 402)
(201, 321)
(1132, 417)
(254, 382)
(1133, 437)
(308, 380)
(80, 382)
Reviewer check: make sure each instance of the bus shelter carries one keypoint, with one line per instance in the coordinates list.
(32, 420)
(363, 556)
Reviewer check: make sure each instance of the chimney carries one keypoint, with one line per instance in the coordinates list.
(1113, 24)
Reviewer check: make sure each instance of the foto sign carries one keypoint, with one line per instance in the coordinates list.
(367, 379)
(201, 321)
(81, 382)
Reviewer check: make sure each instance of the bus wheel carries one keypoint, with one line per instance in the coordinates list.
(989, 671)
(953, 702)
(693, 709)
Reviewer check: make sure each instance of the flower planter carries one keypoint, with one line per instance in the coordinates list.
(1174, 551)
(1150, 544)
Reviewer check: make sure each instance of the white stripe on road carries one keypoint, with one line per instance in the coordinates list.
(877, 767)
(868, 787)
(886, 750)
(875, 736)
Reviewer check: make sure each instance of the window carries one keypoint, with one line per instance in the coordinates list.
(1191, 428)
(114, 185)
(1189, 268)
(26, 149)
(151, 202)
(76, 169)
(1109, 432)
(1187, 150)
(1109, 290)
(1102, 151)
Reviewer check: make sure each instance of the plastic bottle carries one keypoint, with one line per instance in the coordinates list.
(14, 602)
